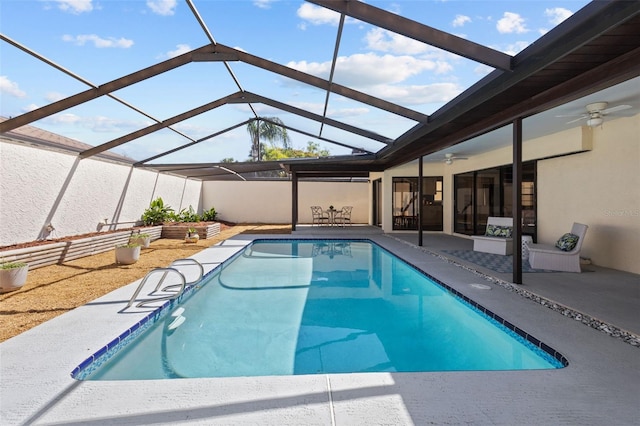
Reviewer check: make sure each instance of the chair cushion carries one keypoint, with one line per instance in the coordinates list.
(499, 231)
(567, 242)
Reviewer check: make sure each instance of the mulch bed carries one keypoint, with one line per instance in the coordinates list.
(53, 290)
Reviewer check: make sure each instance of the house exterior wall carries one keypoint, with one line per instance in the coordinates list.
(40, 187)
(584, 175)
(270, 202)
(600, 188)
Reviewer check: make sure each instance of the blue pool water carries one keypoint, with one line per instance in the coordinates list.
(288, 307)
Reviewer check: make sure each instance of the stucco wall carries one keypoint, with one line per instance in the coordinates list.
(39, 186)
(600, 188)
(270, 202)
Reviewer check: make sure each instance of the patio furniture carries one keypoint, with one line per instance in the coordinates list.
(344, 215)
(563, 256)
(497, 238)
(331, 214)
(527, 240)
(317, 216)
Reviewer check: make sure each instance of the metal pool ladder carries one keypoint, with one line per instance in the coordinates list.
(175, 290)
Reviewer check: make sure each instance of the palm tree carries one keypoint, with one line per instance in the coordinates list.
(272, 130)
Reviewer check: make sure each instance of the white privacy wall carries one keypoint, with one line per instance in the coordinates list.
(40, 187)
(270, 202)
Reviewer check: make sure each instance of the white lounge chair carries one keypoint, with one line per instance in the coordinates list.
(550, 257)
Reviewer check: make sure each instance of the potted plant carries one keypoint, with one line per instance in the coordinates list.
(127, 254)
(192, 236)
(140, 238)
(13, 275)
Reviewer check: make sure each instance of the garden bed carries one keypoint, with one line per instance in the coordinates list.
(177, 231)
(44, 253)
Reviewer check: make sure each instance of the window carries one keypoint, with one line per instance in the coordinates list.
(406, 203)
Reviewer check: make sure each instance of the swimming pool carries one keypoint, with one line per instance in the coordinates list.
(283, 307)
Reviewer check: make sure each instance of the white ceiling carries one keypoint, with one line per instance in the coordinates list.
(548, 122)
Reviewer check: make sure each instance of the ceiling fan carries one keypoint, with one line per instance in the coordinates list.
(449, 157)
(595, 113)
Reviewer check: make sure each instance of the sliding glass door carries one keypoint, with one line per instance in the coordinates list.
(484, 193)
(406, 203)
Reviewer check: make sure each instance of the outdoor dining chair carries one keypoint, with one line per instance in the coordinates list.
(318, 217)
(344, 216)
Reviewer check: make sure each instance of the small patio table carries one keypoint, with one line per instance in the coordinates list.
(332, 216)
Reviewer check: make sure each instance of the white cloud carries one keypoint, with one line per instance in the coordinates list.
(75, 6)
(54, 96)
(418, 94)
(317, 15)
(380, 69)
(30, 107)
(65, 118)
(98, 124)
(10, 88)
(263, 4)
(515, 48)
(460, 20)
(162, 7)
(511, 23)
(557, 14)
(336, 113)
(387, 41)
(98, 41)
(180, 49)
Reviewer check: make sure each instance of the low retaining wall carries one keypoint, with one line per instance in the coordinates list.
(54, 253)
(177, 232)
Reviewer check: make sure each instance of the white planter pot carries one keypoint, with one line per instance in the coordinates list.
(127, 255)
(13, 279)
(193, 238)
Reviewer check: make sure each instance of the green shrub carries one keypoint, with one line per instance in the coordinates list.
(157, 213)
(12, 265)
(209, 215)
(128, 245)
(186, 215)
(134, 236)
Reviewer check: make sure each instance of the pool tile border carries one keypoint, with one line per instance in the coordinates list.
(90, 364)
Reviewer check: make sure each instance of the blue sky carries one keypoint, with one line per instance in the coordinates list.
(100, 41)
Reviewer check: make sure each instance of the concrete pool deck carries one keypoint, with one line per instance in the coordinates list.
(600, 386)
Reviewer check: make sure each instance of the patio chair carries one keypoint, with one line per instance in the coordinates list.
(344, 216)
(318, 217)
(561, 256)
(497, 238)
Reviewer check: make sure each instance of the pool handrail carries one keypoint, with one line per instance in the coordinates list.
(165, 271)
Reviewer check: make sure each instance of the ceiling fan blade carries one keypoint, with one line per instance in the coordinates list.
(614, 109)
(459, 158)
(578, 119)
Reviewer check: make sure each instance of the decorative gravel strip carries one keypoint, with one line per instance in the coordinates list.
(605, 327)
